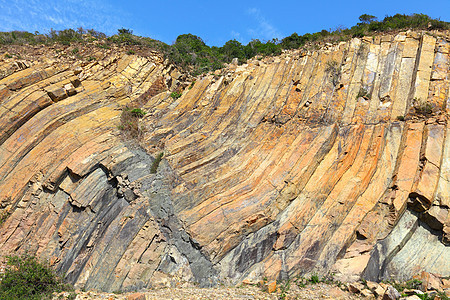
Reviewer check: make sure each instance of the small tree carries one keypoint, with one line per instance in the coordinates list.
(124, 31)
(367, 19)
(233, 49)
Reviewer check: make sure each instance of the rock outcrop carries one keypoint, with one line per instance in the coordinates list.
(334, 160)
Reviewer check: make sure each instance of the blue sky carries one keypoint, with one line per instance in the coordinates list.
(214, 21)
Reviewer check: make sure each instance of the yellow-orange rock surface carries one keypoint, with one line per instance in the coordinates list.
(274, 168)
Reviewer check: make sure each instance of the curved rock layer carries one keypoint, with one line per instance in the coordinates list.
(335, 160)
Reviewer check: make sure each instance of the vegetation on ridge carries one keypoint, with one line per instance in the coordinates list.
(191, 53)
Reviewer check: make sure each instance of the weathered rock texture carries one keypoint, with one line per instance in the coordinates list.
(309, 162)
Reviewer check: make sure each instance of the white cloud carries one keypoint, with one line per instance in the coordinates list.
(32, 15)
(237, 36)
(263, 30)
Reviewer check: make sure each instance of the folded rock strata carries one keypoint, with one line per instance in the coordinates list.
(309, 162)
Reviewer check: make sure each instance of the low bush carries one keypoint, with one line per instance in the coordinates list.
(26, 278)
(301, 282)
(423, 109)
(138, 113)
(314, 279)
(176, 95)
(130, 122)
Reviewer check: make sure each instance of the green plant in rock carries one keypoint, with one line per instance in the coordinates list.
(176, 95)
(413, 284)
(424, 296)
(156, 163)
(363, 93)
(3, 216)
(329, 279)
(423, 109)
(75, 50)
(138, 113)
(314, 279)
(401, 118)
(26, 278)
(131, 52)
(443, 296)
(284, 288)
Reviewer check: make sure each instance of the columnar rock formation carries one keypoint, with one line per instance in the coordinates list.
(334, 160)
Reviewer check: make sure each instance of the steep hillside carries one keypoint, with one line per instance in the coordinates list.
(334, 160)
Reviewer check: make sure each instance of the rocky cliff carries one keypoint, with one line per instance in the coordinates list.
(328, 160)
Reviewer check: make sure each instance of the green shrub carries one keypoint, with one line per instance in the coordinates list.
(314, 279)
(75, 50)
(138, 113)
(26, 278)
(401, 118)
(423, 109)
(131, 52)
(413, 284)
(155, 163)
(176, 95)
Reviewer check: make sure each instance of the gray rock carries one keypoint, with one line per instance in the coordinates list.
(411, 245)
(391, 293)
